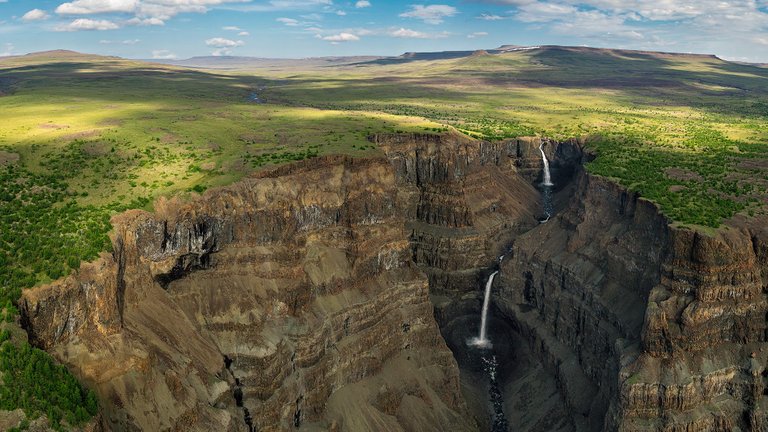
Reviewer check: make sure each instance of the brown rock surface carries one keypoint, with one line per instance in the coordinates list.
(291, 295)
(646, 326)
(470, 199)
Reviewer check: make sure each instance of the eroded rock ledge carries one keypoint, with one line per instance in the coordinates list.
(285, 301)
(646, 326)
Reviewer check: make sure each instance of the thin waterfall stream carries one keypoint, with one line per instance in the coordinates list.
(482, 340)
(490, 352)
(487, 354)
(547, 176)
(546, 186)
(490, 363)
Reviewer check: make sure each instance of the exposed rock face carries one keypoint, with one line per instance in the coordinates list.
(470, 200)
(644, 325)
(703, 342)
(297, 300)
(576, 289)
(287, 301)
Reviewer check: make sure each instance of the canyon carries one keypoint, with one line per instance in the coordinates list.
(339, 293)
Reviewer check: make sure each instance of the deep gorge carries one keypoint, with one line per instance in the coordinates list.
(338, 293)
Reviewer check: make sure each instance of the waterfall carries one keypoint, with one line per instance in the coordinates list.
(482, 340)
(547, 177)
(546, 189)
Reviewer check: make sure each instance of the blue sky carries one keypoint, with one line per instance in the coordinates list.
(736, 30)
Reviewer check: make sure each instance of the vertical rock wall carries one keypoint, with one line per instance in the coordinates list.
(470, 200)
(645, 326)
(286, 301)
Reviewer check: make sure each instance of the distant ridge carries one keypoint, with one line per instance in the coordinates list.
(543, 49)
(629, 51)
(56, 56)
(60, 53)
(244, 62)
(235, 62)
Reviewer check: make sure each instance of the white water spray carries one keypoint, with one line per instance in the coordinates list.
(547, 184)
(482, 341)
(547, 177)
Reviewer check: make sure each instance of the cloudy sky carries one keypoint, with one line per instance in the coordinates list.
(732, 29)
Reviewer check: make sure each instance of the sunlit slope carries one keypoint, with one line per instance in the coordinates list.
(656, 114)
(83, 137)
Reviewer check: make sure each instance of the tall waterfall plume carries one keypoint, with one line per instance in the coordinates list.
(482, 340)
(547, 176)
(546, 187)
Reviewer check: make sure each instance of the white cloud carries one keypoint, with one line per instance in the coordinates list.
(145, 21)
(122, 42)
(88, 24)
(363, 4)
(414, 34)
(340, 13)
(240, 32)
(298, 4)
(220, 42)
(490, 17)
(84, 7)
(566, 19)
(544, 12)
(408, 33)
(35, 15)
(288, 21)
(341, 37)
(143, 9)
(163, 55)
(506, 2)
(278, 5)
(432, 14)
(723, 13)
(477, 35)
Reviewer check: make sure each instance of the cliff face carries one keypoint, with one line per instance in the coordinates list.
(469, 200)
(641, 325)
(645, 326)
(703, 344)
(300, 299)
(286, 301)
(576, 289)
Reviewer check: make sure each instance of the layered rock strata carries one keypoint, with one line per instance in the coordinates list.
(297, 300)
(644, 325)
(470, 199)
(286, 301)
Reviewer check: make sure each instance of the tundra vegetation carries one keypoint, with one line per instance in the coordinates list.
(85, 137)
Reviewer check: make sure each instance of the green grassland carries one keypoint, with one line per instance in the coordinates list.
(688, 132)
(83, 137)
